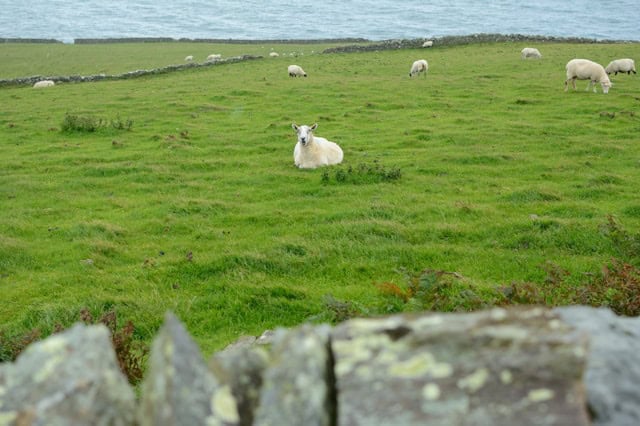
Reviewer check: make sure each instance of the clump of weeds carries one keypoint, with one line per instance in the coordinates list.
(364, 173)
(130, 353)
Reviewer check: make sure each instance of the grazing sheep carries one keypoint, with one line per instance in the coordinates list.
(214, 57)
(621, 65)
(43, 83)
(427, 43)
(530, 52)
(189, 58)
(418, 67)
(313, 151)
(274, 54)
(296, 71)
(584, 69)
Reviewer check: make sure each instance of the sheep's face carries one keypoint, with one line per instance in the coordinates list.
(606, 85)
(305, 133)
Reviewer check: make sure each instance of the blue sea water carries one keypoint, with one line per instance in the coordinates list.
(279, 19)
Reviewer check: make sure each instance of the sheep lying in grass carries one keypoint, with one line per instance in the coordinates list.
(530, 52)
(188, 58)
(274, 54)
(296, 71)
(621, 65)
(419, 66)
(428, 43)
(44, 83)
(214, 57)
(313, 151)
(584, 69)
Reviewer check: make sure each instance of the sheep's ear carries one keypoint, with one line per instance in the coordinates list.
(294, 126)
(315, 126)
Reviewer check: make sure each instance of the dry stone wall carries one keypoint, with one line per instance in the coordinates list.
(462, 40)
(124, 76)
(525, 366)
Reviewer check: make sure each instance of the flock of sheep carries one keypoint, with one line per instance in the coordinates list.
(212, 57)
(584, 69)
(312, 151)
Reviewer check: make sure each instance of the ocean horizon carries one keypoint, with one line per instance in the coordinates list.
(344, 19)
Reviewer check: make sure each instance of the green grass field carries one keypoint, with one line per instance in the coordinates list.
(197, 208)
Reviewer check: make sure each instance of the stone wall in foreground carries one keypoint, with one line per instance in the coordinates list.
(526, 366)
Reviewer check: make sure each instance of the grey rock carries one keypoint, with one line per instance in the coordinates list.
(266, 338)
(497, 367)
(178, 388)
(242, 368)
(4, 370)
(297, 385)
(612, 375)
(71, 378)
(243, 342)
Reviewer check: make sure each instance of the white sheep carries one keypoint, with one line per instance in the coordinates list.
(313, 151)
(44, 83)
(274, 54)
(188, 58)
(296, 71)
(428, 43)
(621, 65)
(584, 69)
(214, 57)
(530, 52)
(419, 66)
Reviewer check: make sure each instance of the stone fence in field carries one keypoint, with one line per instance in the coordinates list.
(462, 40)
(362, 45)
(524, 366)
(29, 40)
(215, 40)
(128, 75)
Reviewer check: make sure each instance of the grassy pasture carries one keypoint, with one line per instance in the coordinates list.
(19, 60)
(199, 209)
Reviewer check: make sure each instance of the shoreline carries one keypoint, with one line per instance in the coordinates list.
(454, 39)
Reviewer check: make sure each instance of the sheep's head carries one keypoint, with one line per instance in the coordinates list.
(606, 85)
(305, 133)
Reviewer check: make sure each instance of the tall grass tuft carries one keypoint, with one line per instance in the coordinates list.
(90, 123)
(363, 173)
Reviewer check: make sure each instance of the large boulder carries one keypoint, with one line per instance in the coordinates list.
(178, 388)
(297, 388)
(71, 378)
(242, 367)
(612, 375)
(497, 367)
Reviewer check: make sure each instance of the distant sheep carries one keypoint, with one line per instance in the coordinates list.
(296, 71)
(44, 83)
(188, 58)
(584, 69)
(530, 52)
(428, 43)
(419, 66)
(214, 57)
(621, 65)
(313, 151)
(274, 54)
